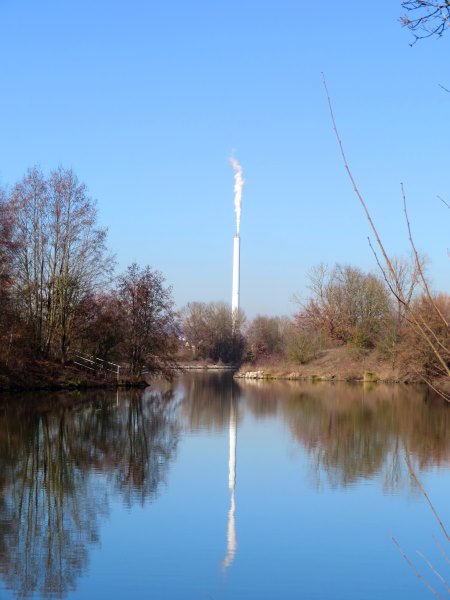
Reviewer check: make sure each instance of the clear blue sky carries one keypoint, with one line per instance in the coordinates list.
(146, 100)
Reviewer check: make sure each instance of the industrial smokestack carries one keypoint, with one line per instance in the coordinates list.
(236, 275)
(238, 185)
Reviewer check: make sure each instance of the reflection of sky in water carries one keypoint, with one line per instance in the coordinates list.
(304, 530)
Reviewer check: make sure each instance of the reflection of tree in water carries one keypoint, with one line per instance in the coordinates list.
(49, 510)
(356, 431)
(353, 433)
(206, 402)
(147, 434)
(265, 398)
(347, 444)
(50, 498)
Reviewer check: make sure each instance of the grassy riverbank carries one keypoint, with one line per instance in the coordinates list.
(334, 364)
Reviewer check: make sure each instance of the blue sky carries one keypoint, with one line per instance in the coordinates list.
(146, 101)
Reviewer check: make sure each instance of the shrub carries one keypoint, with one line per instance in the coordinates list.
(303, 345)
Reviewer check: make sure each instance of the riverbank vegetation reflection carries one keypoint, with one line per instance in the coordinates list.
(360, 431)
(51, 496)
(63, 458)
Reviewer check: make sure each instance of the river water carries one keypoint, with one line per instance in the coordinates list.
(209, 488)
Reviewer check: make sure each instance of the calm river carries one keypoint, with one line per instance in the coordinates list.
(214, 489)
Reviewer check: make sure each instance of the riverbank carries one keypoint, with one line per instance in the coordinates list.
(335, 364)
(41, 374)
(198, 366)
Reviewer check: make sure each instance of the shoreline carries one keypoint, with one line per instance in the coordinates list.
(269, 376)
(332, 366)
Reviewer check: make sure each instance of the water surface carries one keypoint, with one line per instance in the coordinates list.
(209, 488)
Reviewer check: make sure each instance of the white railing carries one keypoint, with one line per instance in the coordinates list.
(95, 364)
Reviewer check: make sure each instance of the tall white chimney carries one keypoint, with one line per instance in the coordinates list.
(238, 185)
(236, 282)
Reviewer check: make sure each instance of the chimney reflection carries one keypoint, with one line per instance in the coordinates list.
(231, 532)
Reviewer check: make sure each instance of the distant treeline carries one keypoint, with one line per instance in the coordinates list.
(346, 308)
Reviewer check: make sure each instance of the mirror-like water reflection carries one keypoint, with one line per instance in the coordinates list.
(209, 488)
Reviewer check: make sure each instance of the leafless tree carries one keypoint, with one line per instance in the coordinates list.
(148, 321)
(97, 331)
(426, 18)
(7, 250)
(417, 357)
(61, 254)
(266, 337)
(347, 305)
(211, 333)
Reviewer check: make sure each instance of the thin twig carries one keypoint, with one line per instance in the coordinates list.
(444, 554)
(386, 278)
(430, 565)
(438, 391)
(442, 199)
(355, 187)
(414, 570)
(435, 389)
(420, 324)
(416, 256)
(420, 486)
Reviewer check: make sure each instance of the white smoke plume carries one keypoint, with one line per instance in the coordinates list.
(238, 185)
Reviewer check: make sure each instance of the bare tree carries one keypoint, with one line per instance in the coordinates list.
(61, 254)
(347, 305)
(209, 330)
(148, 321)
(266, 337)
(426, 18)
(97, 331)
(7, 250)
(417, 357)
